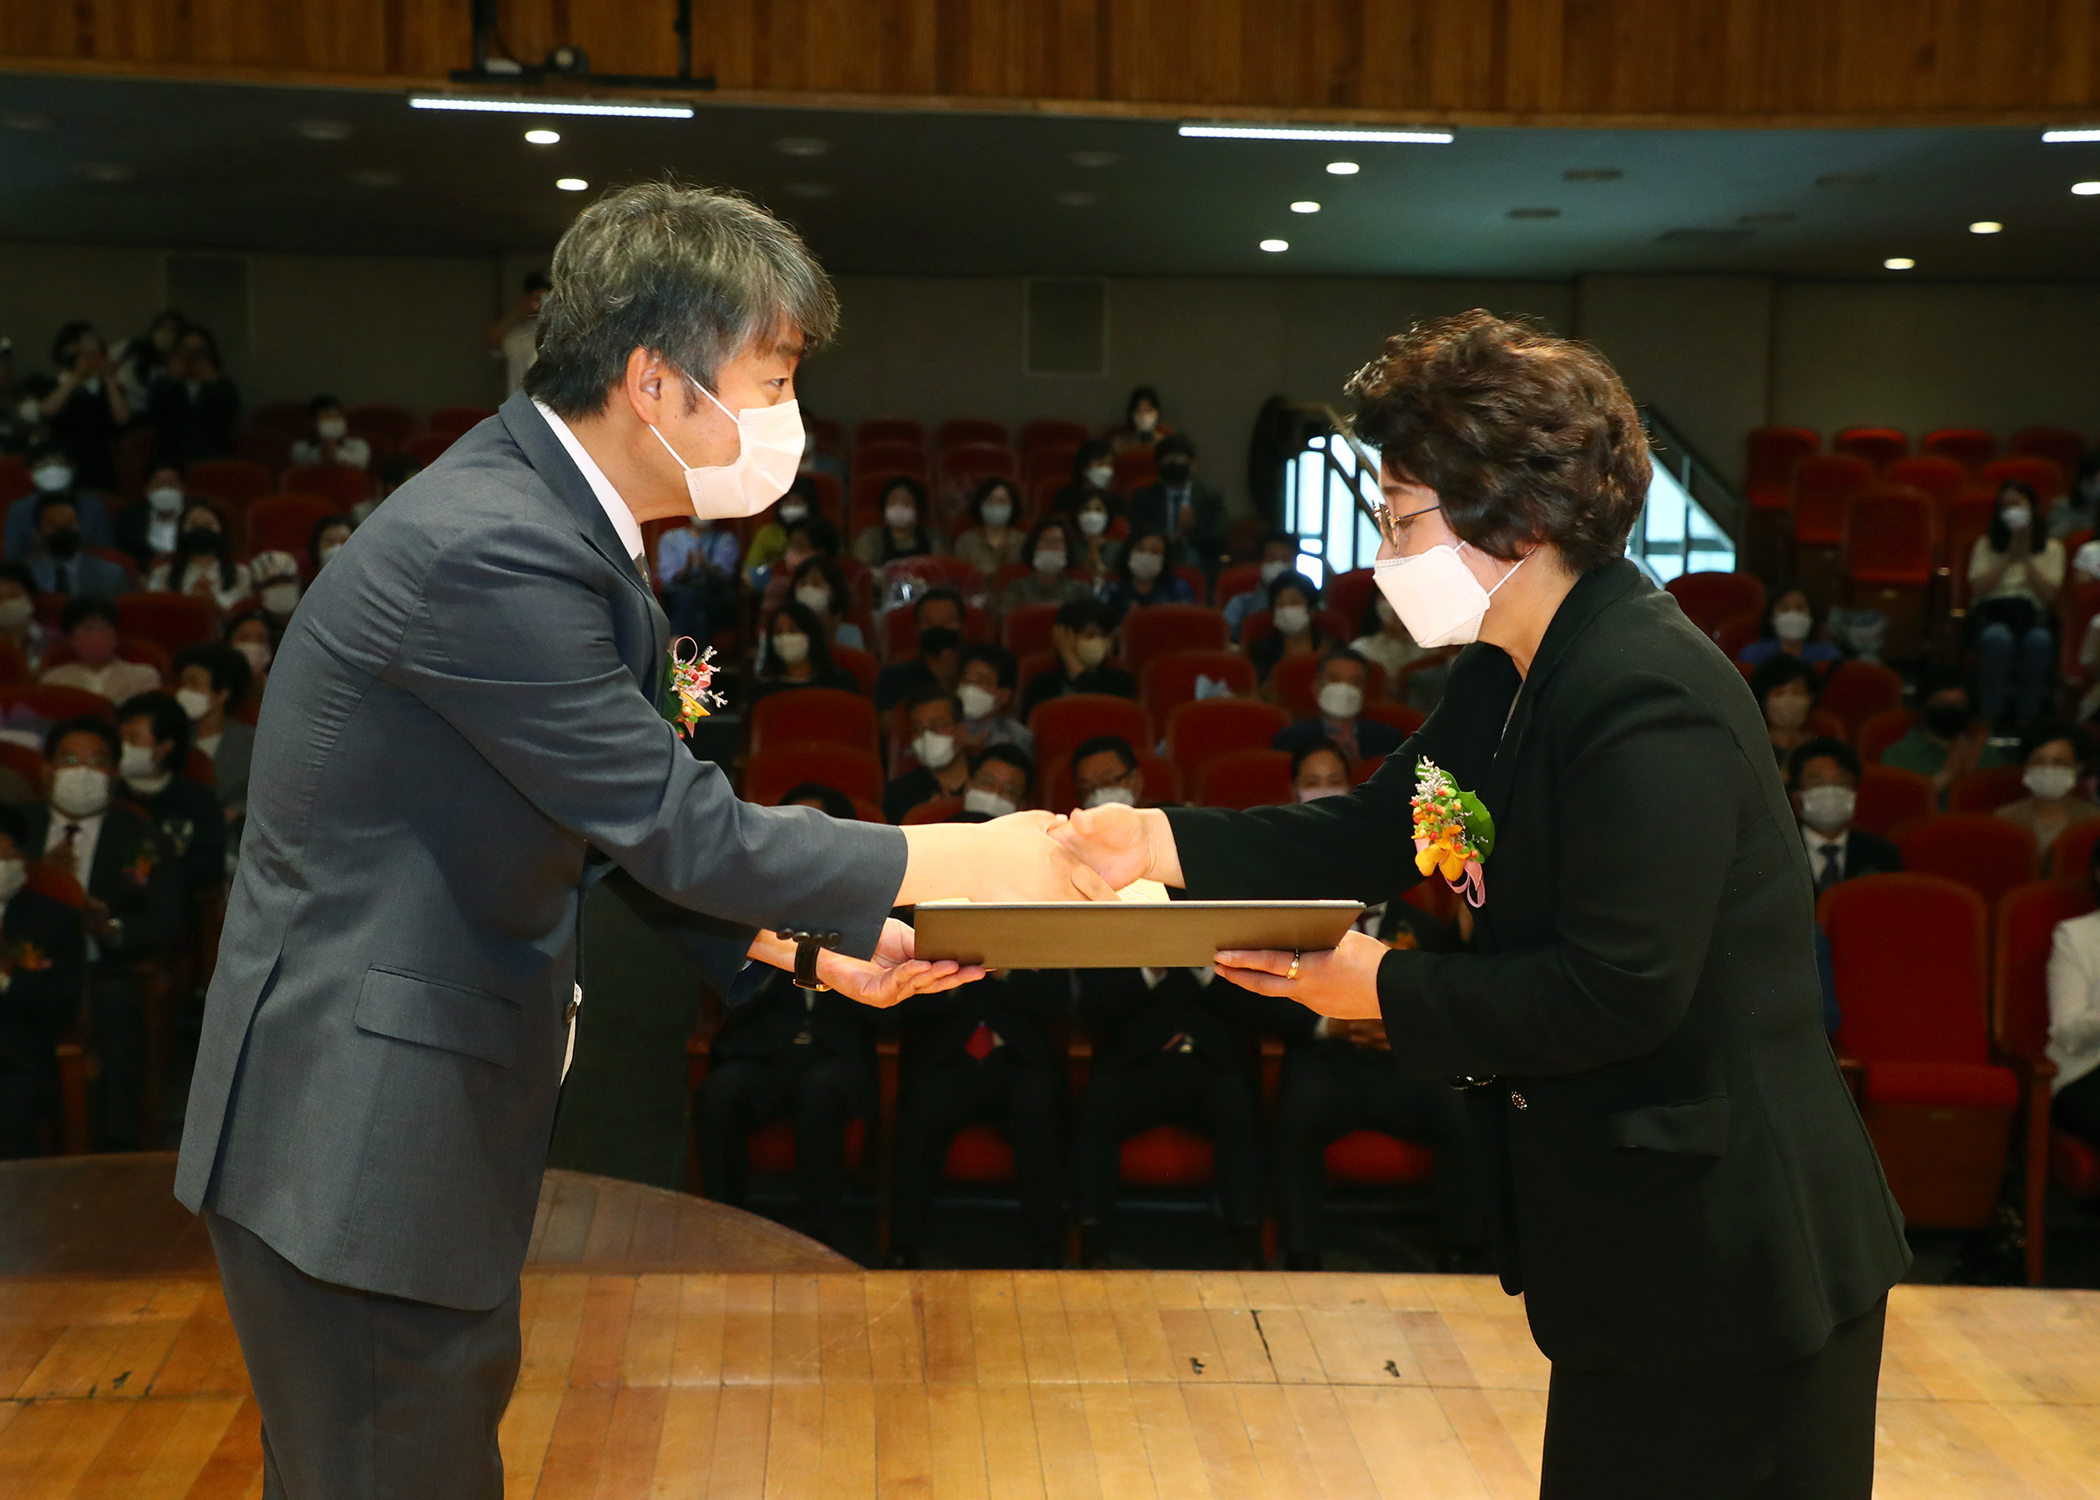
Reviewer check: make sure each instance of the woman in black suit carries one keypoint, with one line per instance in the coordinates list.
(1681, 1185)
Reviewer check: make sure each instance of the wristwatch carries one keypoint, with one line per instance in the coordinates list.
(807, 946)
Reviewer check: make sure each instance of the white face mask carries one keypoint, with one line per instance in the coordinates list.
(1101, 796)
(53, 478)
(332, 428)
(329, 550)
(2050, 783)
(978, 799)
(791, 647)
(900, 517)
(1145, 566)
(1793, 624)
(1092, 650)
(1049, 562)
(280, 598)
(792, 513)
(1786, 714)
(165, 501)
(769, 451)
(1828, 809)
(1098, 475)
(14, 874)
(1341, 700)
(1144, 421)
(1292, 618)
(1315, 793)
(1093, 522)
(1273, 570)
(1436, 595)
(15, 613)
(814, 598)
(30, 411)
(194, 703)
(936, 751)
(976, 701)
(257, 652)
(996, 512)
(80, 791)
(2018, 517)
(136, 761)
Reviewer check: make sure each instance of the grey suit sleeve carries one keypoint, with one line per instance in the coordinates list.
(514, 647)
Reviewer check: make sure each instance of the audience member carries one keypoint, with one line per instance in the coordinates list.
(89, 623)
(148, 532)
(793, 653)
(86, 409)
(1000, 777)
(1320, 769)
(2058, 758)
(939, 615)
(1095, 561)
(1105, 769)
(1383, 638)
(1080, 636)
(936, 745)
(1167, 1050)
(255, 635)
(1824, 775)
(193, 404)
(696, 567)
(2074, 1020)
(331, 441)
(2080, 509)
(1188, 511)
(1785, 688)
(769, 542)
(1144, 578)
(804, 1055)
(2012, 592)
(1343, 677)
(983, 1054)
(156, 736)
(1790, 628)
(995, 540)
(985, 690)
(19, 627)
(275, 576)
(141, 360)
(42, 961)
(1292, 600)
(134, 904)
(1141, 427)
(1093, 474)
(819, 586)
(825, 799)
(327, 538)
(812, 536)
(22, 425)
(58, 558)
(1946, 742)
(1048, 551)
(52, 477)
(202, 564)
(1279, 554)
(905, 531)
(514, 337)
(211, 680)
(395, 470)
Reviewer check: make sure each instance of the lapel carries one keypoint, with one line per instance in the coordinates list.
(551, 461)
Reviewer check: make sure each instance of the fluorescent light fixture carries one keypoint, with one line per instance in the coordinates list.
(475, 105)
(1318, 133)
(1899, 263)
(571, 184)
(2085, 189)
(543, 137)
(1305, 206)
(1343, 169)
(1985, 226)
(1276, 247)
(2069, 137)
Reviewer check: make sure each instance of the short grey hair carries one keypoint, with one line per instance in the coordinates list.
(693, 275)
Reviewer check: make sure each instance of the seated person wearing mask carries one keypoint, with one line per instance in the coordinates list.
(277, 586)
(986, 692)
(1188, 511)
(1143, 578)
(1383, 639)
(1341, 703)
(327, 538)
(906, 529)
(2074, 1020)
(43, 951)
(999, 781)
(56, 557)
(809, 537)
(331, 442)
(19, 626)
(1790, 628)
(1105, 769)
(89, 624)
(804, 1054)
(1292, 600)
(1048, 551)
(256, 637)
(983, 1054)
(794, 654)
(769, 542)
(148, 531)
(1947, 741)
(135, 907)
(201, 564)
(211, 681)
(819, 586)
(1093, 476)
(696, 568)
(1823, 775)
(1081, 636)
(1319, 769)
(1786, 692)
(1169, 1048)
(2056, 756)
(156, 735)
(935, 743)
(939, 616)
(995, 540)
(51, 475)
(1279, 555)
(825, 799)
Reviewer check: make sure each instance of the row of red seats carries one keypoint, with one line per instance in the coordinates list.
(1773, 453)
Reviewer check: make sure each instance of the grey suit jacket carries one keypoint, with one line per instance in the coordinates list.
(462, 711)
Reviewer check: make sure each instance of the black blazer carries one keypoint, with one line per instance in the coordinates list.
(1131, 1024)
(1206, 536)
(1684, 1188)
(766, 1025)
(43, 944)
(135, 874)
(1021, 1006)
(1870, 854)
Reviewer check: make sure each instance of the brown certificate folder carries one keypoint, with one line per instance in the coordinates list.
(1123, 934)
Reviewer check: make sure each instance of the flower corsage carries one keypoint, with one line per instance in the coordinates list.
(1453, 831)
(689, 679)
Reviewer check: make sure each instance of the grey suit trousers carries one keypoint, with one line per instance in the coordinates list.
(407, 1406)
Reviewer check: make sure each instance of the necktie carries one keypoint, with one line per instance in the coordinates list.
(981, 1041)
(1832, 871)
(67, 855)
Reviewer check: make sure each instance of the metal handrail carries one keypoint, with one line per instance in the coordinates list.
(1701, 479)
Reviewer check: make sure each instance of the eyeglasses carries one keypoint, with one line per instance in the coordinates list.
(1381, 515)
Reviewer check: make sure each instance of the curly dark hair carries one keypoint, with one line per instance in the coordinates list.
(1525, 436)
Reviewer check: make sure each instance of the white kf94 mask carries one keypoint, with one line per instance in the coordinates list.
(1436, 595)
(769, 450)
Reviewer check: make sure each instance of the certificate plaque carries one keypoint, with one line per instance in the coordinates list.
(1123, 934)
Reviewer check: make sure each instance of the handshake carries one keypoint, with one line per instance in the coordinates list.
(1039, 856)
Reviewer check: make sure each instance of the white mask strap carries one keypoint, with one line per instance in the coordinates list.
(1506, 576)
(710, 395)
(682, 464)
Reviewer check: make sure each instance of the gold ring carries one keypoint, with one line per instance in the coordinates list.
(1293, 974)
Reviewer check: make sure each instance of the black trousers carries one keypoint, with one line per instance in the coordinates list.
(939, 1100)
(1804, 1431)
(1171, 1088)
(26, 1100)
(2076, 1108)
(740, 1094)
(362, 1395)
(119, 1021)
(1330, 1089)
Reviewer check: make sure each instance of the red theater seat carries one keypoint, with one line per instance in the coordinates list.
(1169, 681)
(958, 432)
(2044, 476)
(1162, 783)
(1296, 680)
(813, 715)
(1197, 731)
(1890, 797)
(1888, 538)
(285, 523)
(451, 421)
(1242, 779)
(234, 482)
(1989, 855)
(1062, 724)
(1824, 489)
(770, 776)
(1167, 1156)
(907, 430)
(426, 448)
(1148, 633)
(1769, 457)
(1986, 790)
(1879, 446)
(979, 1153)
(890, 458)
(340, 485)
(1371, 1158)
(1858, 690)
(1348, 595)
(1971, 447)
(861, 665)
(1879, 731)
(382, 423)
(1939, 477)
(1710, 599)
(2059, 445)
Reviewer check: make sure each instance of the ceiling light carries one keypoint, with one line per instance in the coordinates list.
(1305, 206)
(1092, 158)
(1275, 246)
(26, 120)
(2069, 137)
(1899, 263)
(811, 190)
(543, 137)
(476, 105)
(2085, 189)
(1985, 226)
(1078, 198)
(1318, 133)
(104, 171)
(374, 177)
(322, 130)
(571, 184)
(1343, 168)
(801, 145)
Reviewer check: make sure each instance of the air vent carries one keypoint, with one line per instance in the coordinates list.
(1707, 236)
(1065, 326)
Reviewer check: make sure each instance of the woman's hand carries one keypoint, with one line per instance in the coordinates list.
(1122, 844)
(1342, 983)
(893, 974)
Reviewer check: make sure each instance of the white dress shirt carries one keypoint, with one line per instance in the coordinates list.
(1817, 843)
(2074, 999)
(616, 509)
(83, 844)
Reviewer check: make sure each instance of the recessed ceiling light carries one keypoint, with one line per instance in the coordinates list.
(543, 137)
(1899, 263)
(811, 189)
(374, 177)
(26, 120)
(2062, 137)
(104, 171)
(1317, 133)
(1534, 213)
(322, 130)
(1078, 198)
(1343, 168)
(1985, 226)
(1275, 247)
(571, 184)
(2085, 189)
(1592, 174)
(1092, 158)
(473, 105)
(801, 145)
(1305, 206)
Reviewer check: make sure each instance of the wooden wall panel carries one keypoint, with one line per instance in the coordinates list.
(1599, 61)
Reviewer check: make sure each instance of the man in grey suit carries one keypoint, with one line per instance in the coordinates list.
(460, 736)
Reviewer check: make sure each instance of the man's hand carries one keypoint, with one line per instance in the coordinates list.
(1342, 983)
(893, 975)
(1008, 859)
(1121, 844)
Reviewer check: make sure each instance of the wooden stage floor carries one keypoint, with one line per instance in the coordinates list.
(815, 1379)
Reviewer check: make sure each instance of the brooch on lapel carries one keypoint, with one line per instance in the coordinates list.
(1453, 831)
(140, 870)
(689, 684)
